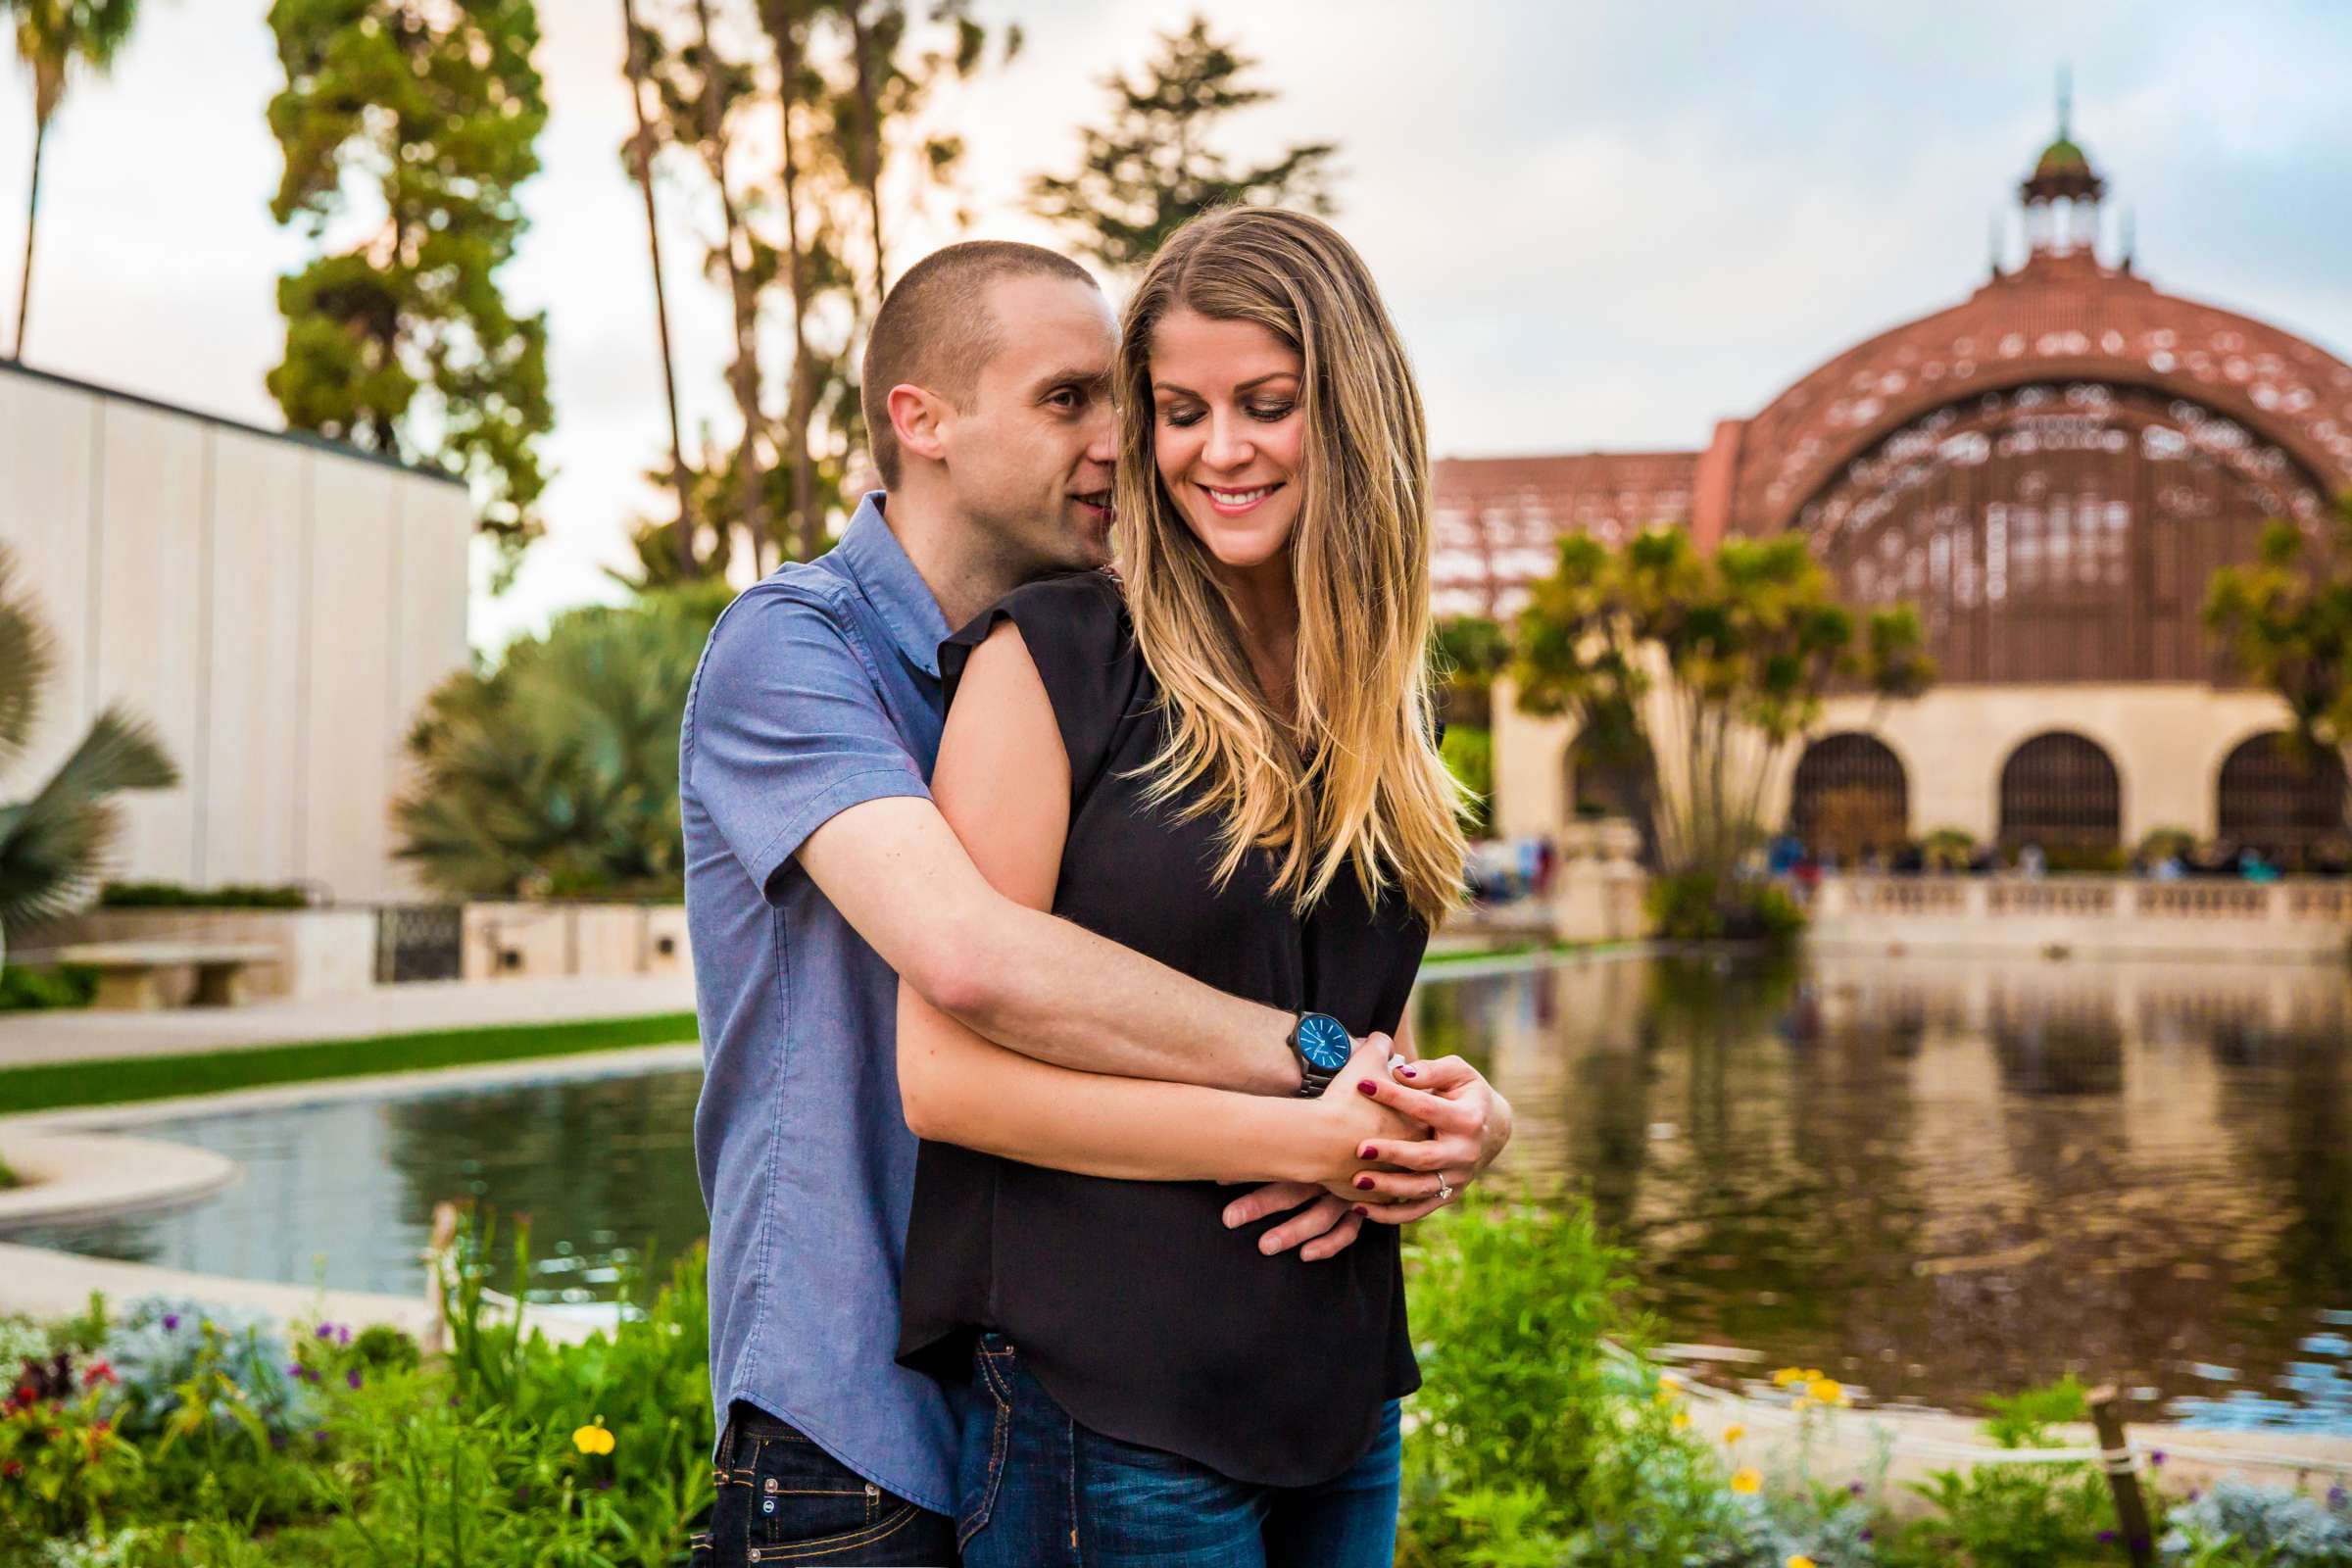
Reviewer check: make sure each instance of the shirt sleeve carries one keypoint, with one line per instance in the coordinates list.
(1075, 627)
(787, 727)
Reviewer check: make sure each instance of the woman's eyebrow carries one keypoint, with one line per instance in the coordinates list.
(1250, 385)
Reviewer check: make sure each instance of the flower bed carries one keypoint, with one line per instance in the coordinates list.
(171, 1434)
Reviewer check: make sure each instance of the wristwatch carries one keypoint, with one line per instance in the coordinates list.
(1322, 1044)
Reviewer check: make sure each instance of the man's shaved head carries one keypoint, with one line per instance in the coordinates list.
(935, 329)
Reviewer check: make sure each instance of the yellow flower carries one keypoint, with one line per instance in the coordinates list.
(1681, 1419)
(592, 1439)
(1824, 1390)
(1801, 1560)
(1733, 1433)
(1747, 1481)
(1788, 1377)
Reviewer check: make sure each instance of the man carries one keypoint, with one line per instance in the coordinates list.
(818, 873)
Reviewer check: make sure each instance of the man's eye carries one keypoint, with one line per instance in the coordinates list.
(1067, 398)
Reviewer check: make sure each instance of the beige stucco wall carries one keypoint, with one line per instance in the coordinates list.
(276, 609)
(2167, 743)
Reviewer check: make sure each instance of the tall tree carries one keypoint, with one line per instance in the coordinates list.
(2286, 620)
(639, 155)
(53, 844)
(436, 106)
(1151, 168)
(53, 37)
(1706, 668)
(892, 68)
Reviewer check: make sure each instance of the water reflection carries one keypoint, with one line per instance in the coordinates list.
(1948, 1179)
(1937, 1179)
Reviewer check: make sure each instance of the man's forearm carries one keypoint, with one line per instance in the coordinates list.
(959, 1088)
(1057, 991)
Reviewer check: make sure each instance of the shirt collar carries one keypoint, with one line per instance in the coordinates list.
(880, 566)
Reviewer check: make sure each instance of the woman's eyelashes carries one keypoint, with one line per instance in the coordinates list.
(1263, 412)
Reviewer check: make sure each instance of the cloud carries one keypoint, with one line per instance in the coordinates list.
(1598, 226)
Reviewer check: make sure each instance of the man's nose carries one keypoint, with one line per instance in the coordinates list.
(1102, 437)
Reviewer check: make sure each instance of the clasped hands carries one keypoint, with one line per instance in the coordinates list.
(1401, 1140)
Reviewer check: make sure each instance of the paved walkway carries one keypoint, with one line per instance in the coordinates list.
(28, 1038)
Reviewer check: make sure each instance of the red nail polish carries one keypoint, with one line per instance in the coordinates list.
(1363, 1184)
(1362, 1211)
(1364, 1086)
(1367, 1152)
(1404, 1072)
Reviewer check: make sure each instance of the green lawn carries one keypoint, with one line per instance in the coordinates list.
(126, 1080)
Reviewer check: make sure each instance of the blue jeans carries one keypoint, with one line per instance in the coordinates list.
(783, 1499)
(1036, 1490)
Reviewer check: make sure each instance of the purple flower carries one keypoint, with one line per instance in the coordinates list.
(2338, 1497)
(326, 1331)
(1854, 1486)
(2107, 1537)
(1868, 1534)
(295, 1369)
(343, 1334)
(2157, 1458)
(171, 1321)
(352, 1377)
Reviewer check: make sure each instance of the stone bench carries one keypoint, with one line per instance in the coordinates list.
(128, 971)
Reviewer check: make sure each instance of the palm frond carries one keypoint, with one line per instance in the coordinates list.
(28, 655)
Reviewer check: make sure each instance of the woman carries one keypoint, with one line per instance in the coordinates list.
(1253, 797)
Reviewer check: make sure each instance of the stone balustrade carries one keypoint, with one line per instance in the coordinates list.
(2290, 919)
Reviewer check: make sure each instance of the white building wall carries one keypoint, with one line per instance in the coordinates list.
(275, 609)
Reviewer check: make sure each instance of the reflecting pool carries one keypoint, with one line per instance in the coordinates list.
(1937, 1180)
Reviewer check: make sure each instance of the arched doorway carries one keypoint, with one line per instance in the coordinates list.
(1850, 798)
(2282, 799)
(2060, 791)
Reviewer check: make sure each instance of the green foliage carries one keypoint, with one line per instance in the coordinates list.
(175, 895)
(1532, 1442)
(2286, 620)
(53, 846)
(401, 342)
(557, 773)
(64, 985)
(2163, 843)
(1469, 754)
(1948, 849)
(1710, 667)
(1469, 652)
(1148, 171)
(1694, 906)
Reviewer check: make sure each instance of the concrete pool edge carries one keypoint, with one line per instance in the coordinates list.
(68, 1176)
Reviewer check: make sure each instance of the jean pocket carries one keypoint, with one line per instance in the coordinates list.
(984, 1437)
(800, 1493)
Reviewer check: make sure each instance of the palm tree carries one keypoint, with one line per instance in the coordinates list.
(53, 846)
(52, 35)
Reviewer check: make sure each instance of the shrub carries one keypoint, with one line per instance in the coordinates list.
(2262, 1524)
(1470, 757)
(66, 985)
(2016, 1515)
(1532, 1442)
(187, 1369)
(1948, 849)
(1693, 907)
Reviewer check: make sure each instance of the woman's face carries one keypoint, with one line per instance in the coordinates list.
(1228, 430)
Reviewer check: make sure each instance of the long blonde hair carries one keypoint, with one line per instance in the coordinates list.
(1357, 781)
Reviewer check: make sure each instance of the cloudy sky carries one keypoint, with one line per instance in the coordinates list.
(1601, 226)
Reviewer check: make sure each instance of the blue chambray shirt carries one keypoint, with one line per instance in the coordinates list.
(818, 690)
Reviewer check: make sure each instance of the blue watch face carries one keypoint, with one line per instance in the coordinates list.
(1324, 1041)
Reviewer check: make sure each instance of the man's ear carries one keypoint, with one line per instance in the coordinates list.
(917, 415)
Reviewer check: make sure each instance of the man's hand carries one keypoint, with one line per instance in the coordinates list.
(1462, 1125)
(1327, 1221)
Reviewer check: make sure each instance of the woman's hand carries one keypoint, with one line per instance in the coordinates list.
(1462, 1124)
(1326, 1220)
